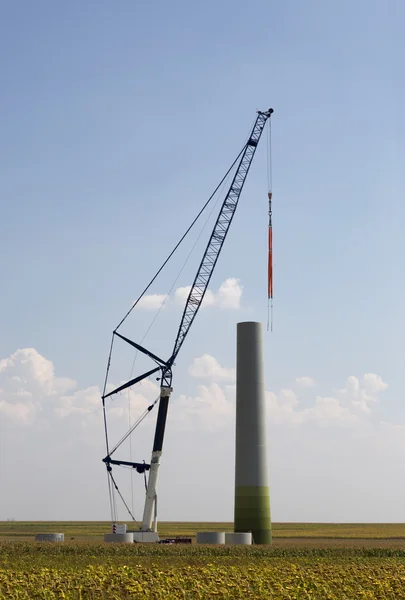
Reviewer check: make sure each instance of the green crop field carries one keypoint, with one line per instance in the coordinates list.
(86, 570)
(306, 561)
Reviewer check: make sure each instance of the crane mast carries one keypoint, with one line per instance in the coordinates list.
(219, 233)
(148, 530)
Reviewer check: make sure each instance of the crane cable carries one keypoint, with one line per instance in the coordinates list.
(181, 239)
(111, 482)
(122, 498)
(135, 425)
(159, 271)
(111, 487)
(270, 232)
(219, 189)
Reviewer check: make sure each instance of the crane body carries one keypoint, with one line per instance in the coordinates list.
(148, 530)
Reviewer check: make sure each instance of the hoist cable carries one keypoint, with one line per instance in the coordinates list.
(104, 390)
(134, 426)
(130, 455)
(270, 232)
(110, 490)
(110, 497)
(121, 496)
(269, 158)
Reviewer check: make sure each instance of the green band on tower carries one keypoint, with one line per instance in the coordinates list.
(252, 512)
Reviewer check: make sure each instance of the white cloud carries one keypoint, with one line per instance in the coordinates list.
(69, 421)
(139, 397)
(228, 296)
(281, 408)
(82, 402)
(212, 407)
(358, 396)
(152, 301)
(30, 390)
(207, 367)
(288, 398)
(181, 295)
(364, 392)
(305, 382)
(18, 411)
(327, 409)
(28, 366)
(31, 394)
(374, 383)
(284, 407)
(28, 384)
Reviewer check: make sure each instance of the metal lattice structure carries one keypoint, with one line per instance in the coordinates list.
(192, 306)
(219, 233)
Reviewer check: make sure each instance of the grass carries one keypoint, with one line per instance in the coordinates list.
(93, 530)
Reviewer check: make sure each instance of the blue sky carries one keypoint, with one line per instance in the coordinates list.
(118, 119)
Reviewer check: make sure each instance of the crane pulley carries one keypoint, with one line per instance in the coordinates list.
(148, 529)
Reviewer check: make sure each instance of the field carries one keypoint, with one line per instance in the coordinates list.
(306, 561)
(332, 532)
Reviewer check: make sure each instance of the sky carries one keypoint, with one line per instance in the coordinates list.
(117, 121)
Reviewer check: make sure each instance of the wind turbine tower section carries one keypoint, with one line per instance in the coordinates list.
(252, 493)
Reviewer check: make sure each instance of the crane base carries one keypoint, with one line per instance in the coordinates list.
(146, 536)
